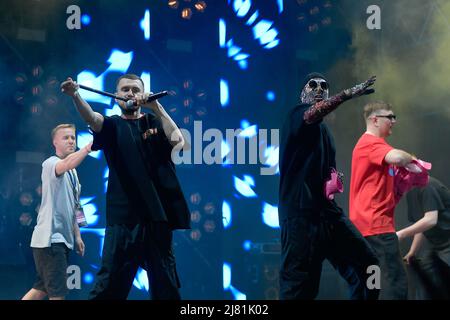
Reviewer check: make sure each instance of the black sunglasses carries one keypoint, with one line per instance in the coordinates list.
(389, 116)
(313, 84)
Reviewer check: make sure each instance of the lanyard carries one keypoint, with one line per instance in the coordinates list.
(73, 181)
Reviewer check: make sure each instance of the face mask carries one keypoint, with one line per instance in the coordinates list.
(315, 90)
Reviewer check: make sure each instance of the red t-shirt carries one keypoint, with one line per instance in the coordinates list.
(372, 199)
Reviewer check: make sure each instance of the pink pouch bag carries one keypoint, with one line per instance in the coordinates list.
(334, 185)
(413, 175)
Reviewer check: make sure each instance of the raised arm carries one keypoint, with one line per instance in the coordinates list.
(92, 118)
(72, 161)
(171, 130)
(320, 109)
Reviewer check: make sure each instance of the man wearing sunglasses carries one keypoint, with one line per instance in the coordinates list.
(372, 197)
(313, 226)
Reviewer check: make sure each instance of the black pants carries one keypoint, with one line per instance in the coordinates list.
(433, 272)
(394, 282)
(128, 247)
(309, 239)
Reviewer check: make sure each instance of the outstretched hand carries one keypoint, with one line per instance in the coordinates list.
(361, 89)
(88, 147)
(69, 87)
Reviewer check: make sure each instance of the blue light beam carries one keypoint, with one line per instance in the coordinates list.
(145, 25)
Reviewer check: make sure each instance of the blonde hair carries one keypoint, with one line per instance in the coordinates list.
(62, 126)
(371, 107)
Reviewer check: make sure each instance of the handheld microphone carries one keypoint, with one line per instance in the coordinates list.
(129, 103)
(152, 97)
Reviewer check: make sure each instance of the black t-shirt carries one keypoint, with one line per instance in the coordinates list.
(142, 183)
(434, 196)
(307, 153)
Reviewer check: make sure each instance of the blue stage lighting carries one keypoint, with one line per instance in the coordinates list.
(141, 280)
(253, 18)
(270, 96)
(241, 7)
(270, 215)
(226, 275)
(83, 139)
(226, 214)
(85, 19)
(145, 76)
(247, 245)
(280, 6)
(237, 294)
(145, 24)
(245, 124)
(224, 93)
(88, 278)
(244, 186)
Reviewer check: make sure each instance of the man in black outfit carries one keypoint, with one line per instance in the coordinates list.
(429, 211)
(144, 200)
(314, 228)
